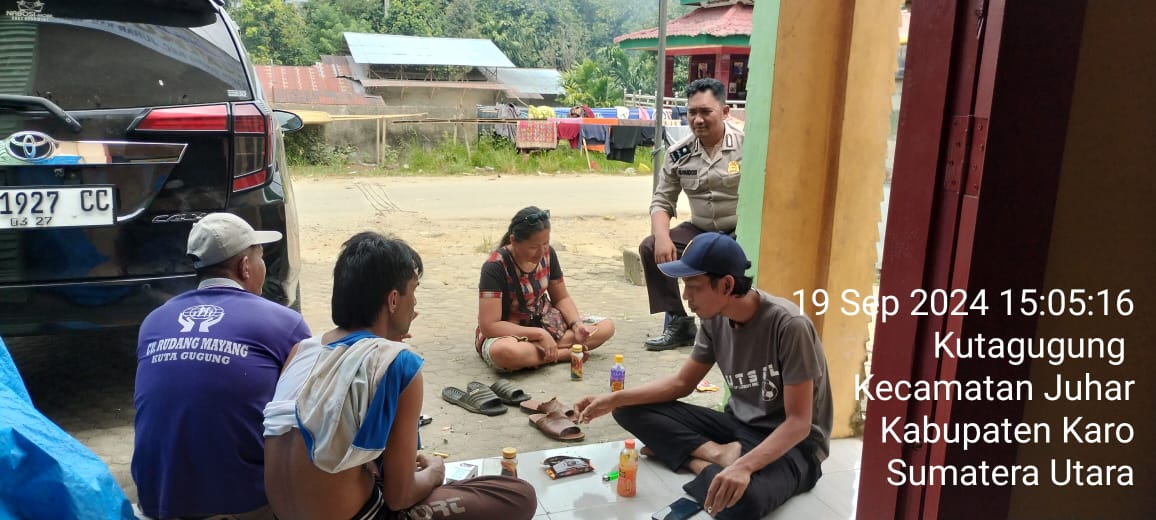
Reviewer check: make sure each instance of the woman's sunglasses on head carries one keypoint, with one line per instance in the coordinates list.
(533, 218)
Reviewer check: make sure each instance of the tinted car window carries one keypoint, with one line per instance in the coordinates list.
(90, 63)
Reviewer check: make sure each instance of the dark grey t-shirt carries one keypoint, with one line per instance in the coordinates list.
(778, 347)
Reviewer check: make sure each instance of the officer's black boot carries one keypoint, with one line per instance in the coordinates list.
(679, 332)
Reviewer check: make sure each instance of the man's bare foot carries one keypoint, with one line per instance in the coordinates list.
(722, 454)
(646, 451)
(730, 453)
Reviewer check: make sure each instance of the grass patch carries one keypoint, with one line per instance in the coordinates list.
(487, 245)
(488, 155)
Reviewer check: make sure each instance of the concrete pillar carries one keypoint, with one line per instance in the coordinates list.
(722, 69)
(813, 164)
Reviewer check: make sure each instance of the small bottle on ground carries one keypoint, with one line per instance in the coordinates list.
(576, 363)
(628, 470)
(509, 462)
(617, 374)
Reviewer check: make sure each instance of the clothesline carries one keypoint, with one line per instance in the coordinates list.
(468, 120)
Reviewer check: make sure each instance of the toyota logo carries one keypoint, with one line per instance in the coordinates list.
(31, 146)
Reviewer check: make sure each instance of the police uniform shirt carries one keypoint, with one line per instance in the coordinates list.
(711, 183)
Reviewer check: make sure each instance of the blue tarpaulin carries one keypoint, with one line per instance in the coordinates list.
(44, 472)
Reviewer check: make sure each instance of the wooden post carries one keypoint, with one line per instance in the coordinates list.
(466, 138)
(385, 133)
(380, 151)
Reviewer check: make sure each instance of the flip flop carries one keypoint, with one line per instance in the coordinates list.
(510, 394)
(544, 407)
(557, 426)
(481, 400)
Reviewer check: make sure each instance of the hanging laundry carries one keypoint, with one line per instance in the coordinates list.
(595, 134)
(506, 111)
(623, 141)
(647, 136)
(675, 134)
(537, 135)
(541, 112)
(569, 130)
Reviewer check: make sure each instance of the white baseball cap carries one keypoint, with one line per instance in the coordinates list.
(221, 236)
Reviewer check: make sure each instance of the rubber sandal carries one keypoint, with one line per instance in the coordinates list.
(557, 426)
(543, 407)
(481, 400)
(510, 393)
(487, 392)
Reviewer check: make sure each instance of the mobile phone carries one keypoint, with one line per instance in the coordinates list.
(680, 509)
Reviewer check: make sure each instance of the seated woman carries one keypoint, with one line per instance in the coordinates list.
(526, 316)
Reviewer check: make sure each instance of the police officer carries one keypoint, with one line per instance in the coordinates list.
(706, 166)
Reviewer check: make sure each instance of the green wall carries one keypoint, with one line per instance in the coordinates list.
(764, 31)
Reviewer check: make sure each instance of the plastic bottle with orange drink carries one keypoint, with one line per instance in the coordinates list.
(628, 470)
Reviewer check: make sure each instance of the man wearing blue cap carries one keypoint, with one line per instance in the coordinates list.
(769, 443)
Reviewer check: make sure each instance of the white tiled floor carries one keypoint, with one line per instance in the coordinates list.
(587, 497)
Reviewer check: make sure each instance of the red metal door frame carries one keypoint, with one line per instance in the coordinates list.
(964, 131)
(938, 95)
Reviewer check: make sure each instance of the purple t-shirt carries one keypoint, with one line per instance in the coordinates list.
(207, 363)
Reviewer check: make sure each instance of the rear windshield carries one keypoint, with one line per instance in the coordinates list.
(95, 62)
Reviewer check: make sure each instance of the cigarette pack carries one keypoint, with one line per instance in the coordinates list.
(461, 471)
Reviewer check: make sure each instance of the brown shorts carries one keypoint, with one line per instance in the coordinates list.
(482, 498)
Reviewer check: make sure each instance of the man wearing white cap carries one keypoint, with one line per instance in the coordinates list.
(207, 363)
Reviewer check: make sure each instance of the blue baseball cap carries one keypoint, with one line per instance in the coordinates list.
(709, 253)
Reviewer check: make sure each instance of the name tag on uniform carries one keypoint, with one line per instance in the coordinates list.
(733, 167)
(685, 171)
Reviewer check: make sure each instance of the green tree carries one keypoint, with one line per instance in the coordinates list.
(273, 32)
(416, 18)
(461, 19)
(588, 84)
(326, 22)
(634, 71)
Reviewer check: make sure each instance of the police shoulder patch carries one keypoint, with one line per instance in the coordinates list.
(679, 153)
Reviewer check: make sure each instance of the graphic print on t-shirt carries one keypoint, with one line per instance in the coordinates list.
(755, 378)
(207, 315)
(194, 348)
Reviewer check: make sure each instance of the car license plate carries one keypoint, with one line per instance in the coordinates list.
(57, 207)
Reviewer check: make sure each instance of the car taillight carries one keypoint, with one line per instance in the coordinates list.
(207, 118)
(248, 119)
(252, 134)
(252, 148)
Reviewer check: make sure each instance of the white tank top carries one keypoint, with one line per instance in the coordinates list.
(281, 412)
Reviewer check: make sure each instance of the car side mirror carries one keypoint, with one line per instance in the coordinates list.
(288, 121)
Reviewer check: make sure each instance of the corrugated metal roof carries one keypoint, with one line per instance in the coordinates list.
(320, 84)
(393, 49)
(532, 81)
(420, 83)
